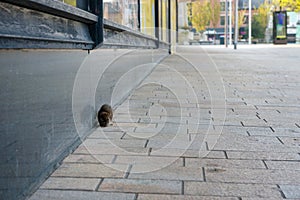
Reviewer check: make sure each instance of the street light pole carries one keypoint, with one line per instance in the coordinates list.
(230, 22)
(226, 23)
(236, 26)
(250, 22)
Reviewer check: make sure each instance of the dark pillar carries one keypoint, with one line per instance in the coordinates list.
(176, 20)
(96, 30)
(139, 15)
(169, 26)
(156, 21)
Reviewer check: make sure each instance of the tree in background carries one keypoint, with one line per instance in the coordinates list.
(215, 10)
(200, 15)
(263, 13)
(241, 19)
(190, 14)
(260, 20)
(258, 31)
(289, 5)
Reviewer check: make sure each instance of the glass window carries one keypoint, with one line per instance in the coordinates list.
(222, 6)
(173, 22)
(70, 2)
(147, 17)
(124, 12)
(164, 30)
(222, 20)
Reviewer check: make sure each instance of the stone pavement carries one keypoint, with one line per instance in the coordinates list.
(208, 123)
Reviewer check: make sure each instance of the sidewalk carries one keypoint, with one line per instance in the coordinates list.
(208, 123)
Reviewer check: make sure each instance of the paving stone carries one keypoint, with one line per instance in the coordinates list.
(181, 197)
(254, 123)
(256, 143)
(96, 142)
(116, 128)
(139, 125)
(127, 143)
(147, 119)
(262, 155)
(141, 186)
(149, 160)
(168, 173)
(90, 170)
(280, 133)
(289, 132)
(78, 158)
(130, 111)
(179, 127)
(179, 141)
(211, 154)
(224, 163)
(263, 176)
(291, 141)
(291, 191)
(239, 129)
(99, 134)
(177, 120)
(259, 131)
(70, 183)
(281, 123)
(79, 195)
(175, 152)
(285, 165)
(111, 150)
(231, 189)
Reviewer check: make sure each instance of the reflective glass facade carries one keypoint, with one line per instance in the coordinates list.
(124, 12)
(70, 2)
(138, 15)
(147, 17)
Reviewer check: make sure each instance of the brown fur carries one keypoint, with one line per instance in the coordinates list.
(105, 115)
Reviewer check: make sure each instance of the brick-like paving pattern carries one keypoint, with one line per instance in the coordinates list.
(208, 123)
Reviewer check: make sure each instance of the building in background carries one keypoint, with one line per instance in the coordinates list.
(244, 4)
(185, 14)
(185, 23)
